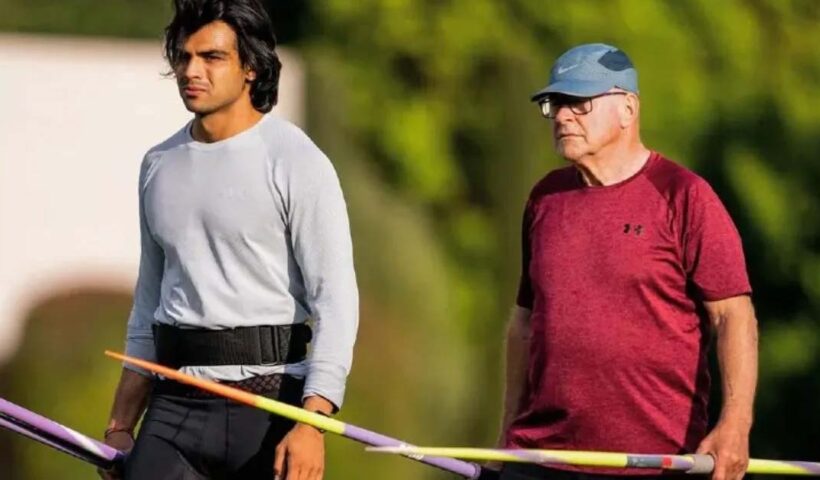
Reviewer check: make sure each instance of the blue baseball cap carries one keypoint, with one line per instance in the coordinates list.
(588, 70)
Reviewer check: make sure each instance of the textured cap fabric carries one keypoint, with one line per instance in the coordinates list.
(590, 69)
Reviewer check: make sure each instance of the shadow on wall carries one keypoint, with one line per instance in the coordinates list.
(59, 371)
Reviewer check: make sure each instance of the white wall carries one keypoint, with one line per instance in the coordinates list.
(76, 116)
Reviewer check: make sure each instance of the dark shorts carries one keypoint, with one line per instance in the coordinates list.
(528, 471)
(189, 436)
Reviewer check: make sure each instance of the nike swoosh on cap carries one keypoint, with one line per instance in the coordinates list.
(566, 69)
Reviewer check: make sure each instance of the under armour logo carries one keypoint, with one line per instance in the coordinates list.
(628, 227)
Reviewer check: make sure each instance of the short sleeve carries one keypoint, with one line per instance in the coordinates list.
(712, 251)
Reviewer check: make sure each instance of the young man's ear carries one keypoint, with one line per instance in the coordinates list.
(250, 76)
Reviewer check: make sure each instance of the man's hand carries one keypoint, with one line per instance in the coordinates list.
(300, 455)
(123, 441)
(729, 444)
(130, 400)
(500, 443)
(517, 358)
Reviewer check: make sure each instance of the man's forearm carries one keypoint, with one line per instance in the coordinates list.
(317, 403)
(130, 400)
(517, 358)
(737, 356)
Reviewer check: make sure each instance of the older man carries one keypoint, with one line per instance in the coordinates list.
(630, 263)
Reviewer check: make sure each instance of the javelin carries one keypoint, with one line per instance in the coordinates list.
(696, 464)
(458, 467)
(10, 425)
(48, 432)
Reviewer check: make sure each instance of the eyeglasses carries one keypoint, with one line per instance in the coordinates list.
(577, 105)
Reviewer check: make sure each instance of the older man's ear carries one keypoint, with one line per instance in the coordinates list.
(629, 110)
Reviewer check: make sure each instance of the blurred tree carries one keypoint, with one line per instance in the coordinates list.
(430, 98)
(128, 18)
(113, 18)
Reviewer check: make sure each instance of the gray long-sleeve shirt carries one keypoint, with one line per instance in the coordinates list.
(251, 230)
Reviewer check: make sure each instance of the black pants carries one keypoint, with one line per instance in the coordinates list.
(190, 436)
(527, 471)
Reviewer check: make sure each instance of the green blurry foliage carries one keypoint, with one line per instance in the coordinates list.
(434, 101)
(424, 108)
(113, 18)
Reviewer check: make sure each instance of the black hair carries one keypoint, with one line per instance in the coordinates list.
(255, 40)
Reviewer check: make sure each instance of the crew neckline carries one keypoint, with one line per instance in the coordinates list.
(653, 155)
(238, 138)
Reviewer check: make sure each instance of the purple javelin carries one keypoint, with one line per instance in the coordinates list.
(461, 468)
(25, 431)
(51, 433)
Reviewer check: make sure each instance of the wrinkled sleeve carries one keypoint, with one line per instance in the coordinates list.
(139, 337)
(322, 247)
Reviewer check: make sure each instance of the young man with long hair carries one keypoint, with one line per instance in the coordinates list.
(244, 238)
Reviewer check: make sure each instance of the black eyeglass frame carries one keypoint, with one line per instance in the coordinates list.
(574, 106)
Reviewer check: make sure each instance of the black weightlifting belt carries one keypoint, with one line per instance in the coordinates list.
(262, 345)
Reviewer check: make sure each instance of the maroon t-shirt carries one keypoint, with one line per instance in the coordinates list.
(615, 277)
